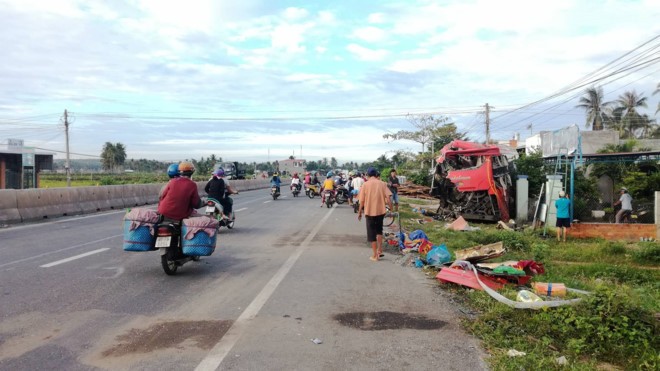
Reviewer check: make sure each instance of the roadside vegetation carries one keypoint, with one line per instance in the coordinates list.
(616, 327)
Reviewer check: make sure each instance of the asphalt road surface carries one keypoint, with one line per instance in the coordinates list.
(289, 272)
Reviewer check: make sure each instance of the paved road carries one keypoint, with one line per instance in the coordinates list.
(289, 272)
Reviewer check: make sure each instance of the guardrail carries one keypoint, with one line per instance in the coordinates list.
(24, 205)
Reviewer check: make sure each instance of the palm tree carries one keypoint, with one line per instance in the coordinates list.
(593, 104)
(628, 103)
(657, 90)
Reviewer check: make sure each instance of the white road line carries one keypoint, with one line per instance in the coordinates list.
(213, 360)
(245, 208)
(74, 258)
(60, 250)
(64, 219)
(268, 201)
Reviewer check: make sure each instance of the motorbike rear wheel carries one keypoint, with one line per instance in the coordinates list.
(311, 194)
(169, 266)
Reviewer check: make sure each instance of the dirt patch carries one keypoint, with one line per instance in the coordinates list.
(203, 334)
(341, 240)
(373, 321)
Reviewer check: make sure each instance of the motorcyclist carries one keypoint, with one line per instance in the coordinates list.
(328, 184)
(315, 179)
(179, 198)
(308, 178)
(275, 181)
(295, 182)
(219, 189)
(173, 174)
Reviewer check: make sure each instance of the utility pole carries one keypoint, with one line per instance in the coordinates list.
(66, 134)
(487, 124)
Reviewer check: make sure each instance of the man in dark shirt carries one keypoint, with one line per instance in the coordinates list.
(393, 185)
(179, 198)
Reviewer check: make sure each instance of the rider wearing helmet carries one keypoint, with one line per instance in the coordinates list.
(275, 181)
(219, 189)
(179, 198)
(328, 184)
(308, 178)
(173, 171)
(295, 182)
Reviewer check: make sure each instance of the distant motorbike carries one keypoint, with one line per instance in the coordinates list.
(329, 198)
(168, 241)
(312, 190)
(342, 195)
(214, 209)
(274, 192)
(295, 189)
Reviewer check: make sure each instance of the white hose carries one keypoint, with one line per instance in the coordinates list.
(516, 304)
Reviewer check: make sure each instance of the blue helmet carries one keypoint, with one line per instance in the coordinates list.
(219, 172)
(329, 174)
(173, 171)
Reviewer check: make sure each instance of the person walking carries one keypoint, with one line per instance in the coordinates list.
(373, 196)
(563, 205)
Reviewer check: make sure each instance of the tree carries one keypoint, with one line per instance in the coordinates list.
(593, 104)
(628, 105)
(657, 90)
(427, 128)
(333, 162)
(113, 156)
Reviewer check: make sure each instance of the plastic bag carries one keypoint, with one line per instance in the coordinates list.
(418, 235)
(438, 255)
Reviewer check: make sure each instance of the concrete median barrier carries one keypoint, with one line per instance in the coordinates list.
(132, 195)
(38, 204)
(92, 199)
(114, 197)
(9, 207)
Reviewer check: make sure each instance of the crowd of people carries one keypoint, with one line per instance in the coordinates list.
(178, 199)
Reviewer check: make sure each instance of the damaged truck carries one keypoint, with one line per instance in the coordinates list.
(474, 181)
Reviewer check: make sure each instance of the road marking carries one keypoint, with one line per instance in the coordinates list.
(64, 219)
(215, 357)
(74, 258)
(267, 201)
(245, 208)
(60, 250)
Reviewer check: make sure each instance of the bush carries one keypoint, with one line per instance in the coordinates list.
(613, 248)
(420, 177)
(649, 253)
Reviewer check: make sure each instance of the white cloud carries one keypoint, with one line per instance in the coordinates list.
(376, 18)
(370, 34)
(294, 14)
(367, 54)
(321, 49)
(289, 37)
(326, 17)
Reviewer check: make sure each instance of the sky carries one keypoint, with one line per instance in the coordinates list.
(261, 80)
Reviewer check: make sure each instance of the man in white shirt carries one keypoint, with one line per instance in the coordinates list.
(626, 204)
(356, 183)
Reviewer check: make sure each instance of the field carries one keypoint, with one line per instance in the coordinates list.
(615, 327)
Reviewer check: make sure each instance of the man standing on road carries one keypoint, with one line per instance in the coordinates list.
(393, 185)
(373, 196)
(563, 215)
(626, 204)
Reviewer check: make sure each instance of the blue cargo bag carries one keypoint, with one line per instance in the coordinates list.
(140, 226)
(201, 244)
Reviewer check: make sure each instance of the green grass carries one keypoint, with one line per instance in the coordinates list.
(615, 325)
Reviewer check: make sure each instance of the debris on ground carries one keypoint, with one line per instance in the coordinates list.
(515, 353)
(317, 341)
(481, 252)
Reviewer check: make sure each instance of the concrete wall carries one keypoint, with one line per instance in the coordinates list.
(37, 204)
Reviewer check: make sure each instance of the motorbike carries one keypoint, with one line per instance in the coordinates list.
(295, 189)
(168, 242)
(312, 190)
(214, 209)
(342, 195)
(274, 192)
(329, 198)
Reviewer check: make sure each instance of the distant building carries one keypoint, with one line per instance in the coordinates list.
(20, 166)
(290, 166)
(565, 140)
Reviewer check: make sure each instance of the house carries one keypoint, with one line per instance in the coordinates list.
(290, 166)
(20, 166)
